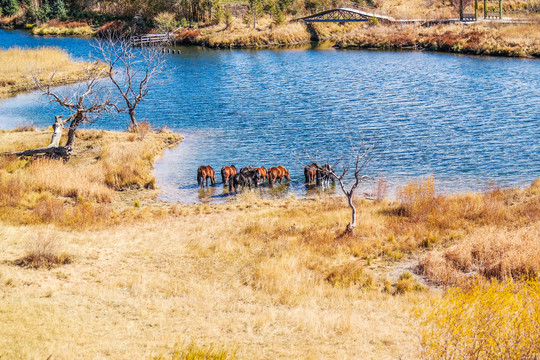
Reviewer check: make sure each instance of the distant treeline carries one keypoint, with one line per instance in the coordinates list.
(38, 11)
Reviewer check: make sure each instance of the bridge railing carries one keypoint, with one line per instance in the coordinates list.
(348, 5)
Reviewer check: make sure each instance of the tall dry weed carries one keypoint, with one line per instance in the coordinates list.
(487, 320)
(491, 252)
(44, 251)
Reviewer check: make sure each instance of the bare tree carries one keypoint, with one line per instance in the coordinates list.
(133, 71)
(85, 102)
(359, 157)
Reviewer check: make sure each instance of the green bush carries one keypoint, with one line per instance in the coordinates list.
(9, 7)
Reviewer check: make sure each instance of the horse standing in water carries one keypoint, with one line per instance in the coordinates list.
(263, 172)
(227, 172)
(278, 172)
(205, 173)
(312, 173)
(245, 178)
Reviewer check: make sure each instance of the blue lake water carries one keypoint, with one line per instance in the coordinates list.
(468, 121)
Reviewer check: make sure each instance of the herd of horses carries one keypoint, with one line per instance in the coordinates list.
(251, 176)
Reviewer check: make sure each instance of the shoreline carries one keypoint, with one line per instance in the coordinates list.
(483, 39)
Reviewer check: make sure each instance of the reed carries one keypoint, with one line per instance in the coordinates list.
(480, 39)
(17, 66)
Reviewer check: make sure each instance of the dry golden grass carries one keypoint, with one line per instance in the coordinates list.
(43, 252)
(486, 320)
(276, 278)
(521, 40)
(240, 34)
(64, 28)
(78, 192)
(481, 39)
(17, 66)
(491, 252)
(139, 288)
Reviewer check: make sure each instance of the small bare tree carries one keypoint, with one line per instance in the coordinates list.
(85, 102)
(358, 159)
(133, 71)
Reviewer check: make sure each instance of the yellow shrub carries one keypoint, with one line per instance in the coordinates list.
(418, 198)
(488, 320)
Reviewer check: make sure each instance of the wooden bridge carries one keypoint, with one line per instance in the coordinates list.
(347, 13)
(151, 40)
(351, 12)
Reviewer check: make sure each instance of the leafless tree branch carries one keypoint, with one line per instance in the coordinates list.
(133, 71)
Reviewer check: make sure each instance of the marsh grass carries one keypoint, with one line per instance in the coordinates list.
(17, 66)
(64, 28)
(81, 191)
(242, 35)
(481, 38)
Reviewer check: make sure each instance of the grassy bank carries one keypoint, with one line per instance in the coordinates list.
(64, 28)
(276, 278)
(17, 66)
(480, 39)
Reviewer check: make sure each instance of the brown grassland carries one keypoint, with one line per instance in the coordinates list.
(93, 266)
(17, 66)
(520, 40)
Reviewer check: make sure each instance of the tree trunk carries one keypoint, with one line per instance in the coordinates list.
(133, 123)
(352, 224)
(53, 150)
(58, 128)
(73, 128)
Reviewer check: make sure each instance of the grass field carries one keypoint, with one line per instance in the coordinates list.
(93, 266)
(17, 66)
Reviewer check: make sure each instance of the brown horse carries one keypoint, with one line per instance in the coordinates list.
(205, 173)
(311, 173)
(227, 172)
(284, 171)
(263, 172)
(278, 172)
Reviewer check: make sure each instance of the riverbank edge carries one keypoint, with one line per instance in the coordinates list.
(120, 163)
(470, 39)
(271, 39)
(21, 81)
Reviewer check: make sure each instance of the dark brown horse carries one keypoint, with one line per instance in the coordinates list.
(311, 173)
(245, 178)
(263, 172)
(205, 173)
(227, 172)
(278, 172)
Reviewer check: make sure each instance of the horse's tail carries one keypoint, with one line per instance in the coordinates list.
(318, 176)
(307, 175)
(231, 182)
(200, 177)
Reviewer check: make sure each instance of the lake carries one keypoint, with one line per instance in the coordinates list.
(471, 122)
